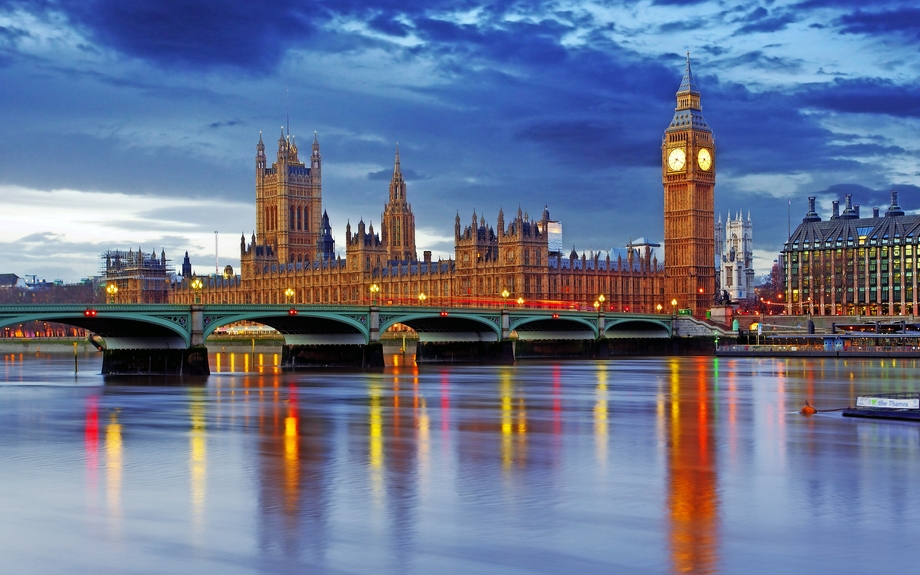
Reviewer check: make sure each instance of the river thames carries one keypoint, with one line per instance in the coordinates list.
(662, 465)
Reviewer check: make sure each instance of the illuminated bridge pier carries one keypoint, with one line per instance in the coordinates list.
(167, 339)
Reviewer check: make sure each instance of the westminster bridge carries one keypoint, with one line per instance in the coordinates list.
(166, 338)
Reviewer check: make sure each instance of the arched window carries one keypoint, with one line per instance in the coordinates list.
(292, 219)
(299, 218)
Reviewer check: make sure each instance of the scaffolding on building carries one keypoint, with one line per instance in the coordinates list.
(139, 277)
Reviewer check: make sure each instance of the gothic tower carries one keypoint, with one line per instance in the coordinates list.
(397, 228)
(289, 201)
(688, 171)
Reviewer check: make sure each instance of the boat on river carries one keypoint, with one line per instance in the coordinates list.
(903, 406)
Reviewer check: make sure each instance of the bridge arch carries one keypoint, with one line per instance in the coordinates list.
(638, 328)
(549, 328)
(119, 330)
(304, 328)
(434, 327)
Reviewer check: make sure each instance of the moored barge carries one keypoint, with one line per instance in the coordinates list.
(902, 406)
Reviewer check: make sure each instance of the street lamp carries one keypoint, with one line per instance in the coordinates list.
(375, 289)
(520, 301)
(289, 294)
(505, 295)
(601, 299)
(421, 298)
(658, 307)
(197, 285)
(674, 306)
(111, 289)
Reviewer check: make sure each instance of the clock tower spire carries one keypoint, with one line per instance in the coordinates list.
(688, 172)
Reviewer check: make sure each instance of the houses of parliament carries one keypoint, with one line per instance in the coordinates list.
(291, 257)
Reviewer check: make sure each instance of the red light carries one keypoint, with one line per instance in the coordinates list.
(89, 312)
(292, 311)
(555, 316)
(443, 314)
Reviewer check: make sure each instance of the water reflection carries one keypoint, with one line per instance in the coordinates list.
(113, 465)
(292, 472)
(533, 468)
(600, 417)
(197, 457)
(692, 500)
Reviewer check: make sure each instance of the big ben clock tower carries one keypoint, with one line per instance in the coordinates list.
(688, 171)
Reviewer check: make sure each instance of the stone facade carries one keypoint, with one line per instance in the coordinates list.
(688, 170)
(735, 253)
(513, 257)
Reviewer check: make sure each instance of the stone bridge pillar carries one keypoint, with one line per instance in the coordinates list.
(601, 325)
(197, 327)
(374, 324)
(506, 325)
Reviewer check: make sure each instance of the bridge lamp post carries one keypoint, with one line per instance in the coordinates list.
(658, 307)
(601, 299)
(505, 295)
(375, 289)
(289, 294)
(520, 301)
(674, 307)
(111, 289)
(421, 298)
(197, 285)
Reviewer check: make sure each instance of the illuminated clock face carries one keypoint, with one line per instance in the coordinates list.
(704, 160)
(677, 159)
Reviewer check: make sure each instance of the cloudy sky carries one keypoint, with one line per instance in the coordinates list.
(132, 123)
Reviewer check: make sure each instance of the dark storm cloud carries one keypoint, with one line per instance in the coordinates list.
(9, 35)
(905, 21)
(748, 126)
(843, 4)
(197, 33)
(389, 25)
(226, 124)
(760, 20)
(869, 198)
(683, 25)
(759, 59)
(863, 96)
(868, 150)
(591, 142)
(535, 43)
(679, 2)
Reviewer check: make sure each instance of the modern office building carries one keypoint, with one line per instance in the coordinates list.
(849, 264)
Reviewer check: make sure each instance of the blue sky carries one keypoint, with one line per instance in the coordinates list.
(131, 123)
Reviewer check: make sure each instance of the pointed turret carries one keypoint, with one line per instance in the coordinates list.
(186, 266)
(687, 83)
(282, 146)
(396, 168)
(325, 249)
(260, 152)
(689, 111)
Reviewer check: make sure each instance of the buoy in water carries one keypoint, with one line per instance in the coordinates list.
(808, 410)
